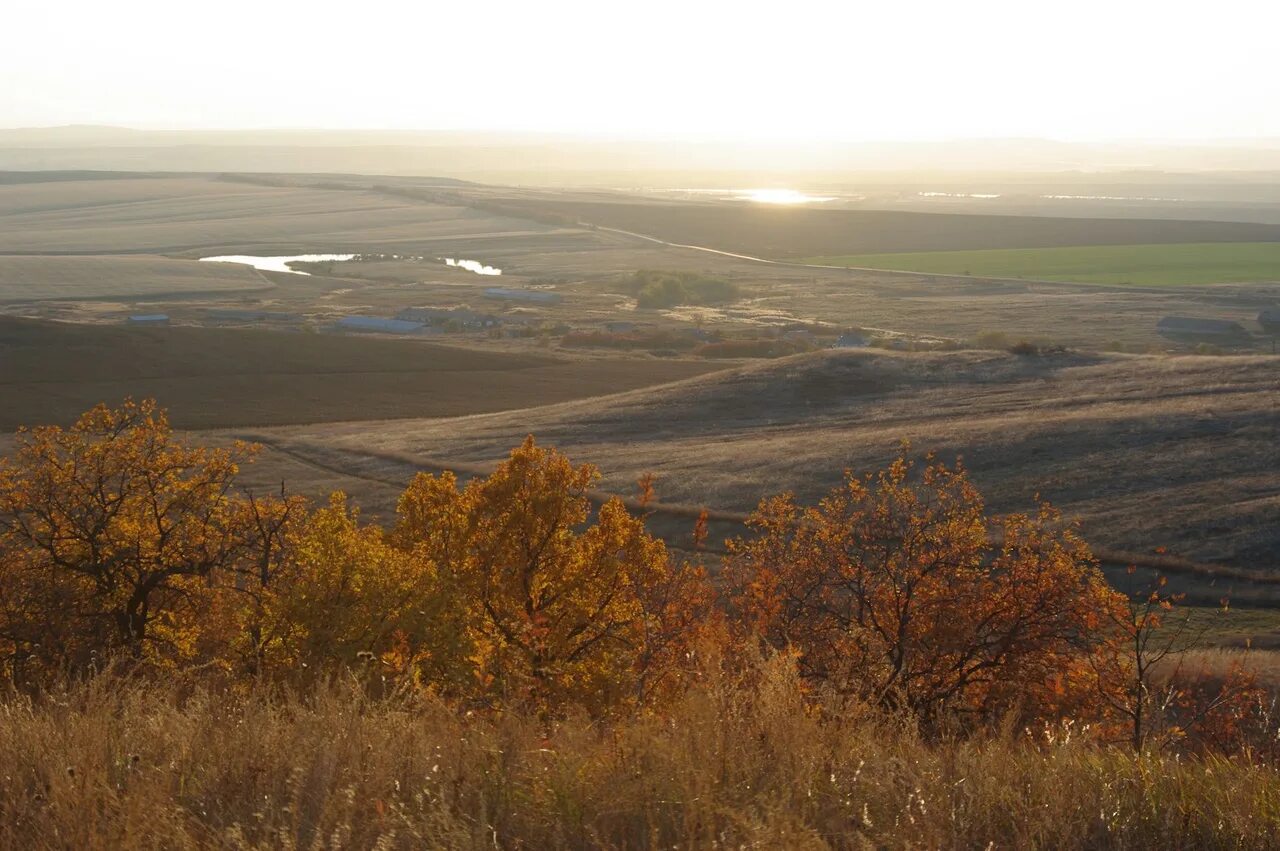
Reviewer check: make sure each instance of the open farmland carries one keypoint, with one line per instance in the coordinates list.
(782, 233)
(35, 278)
(190, 214)
(1140, 265)
(208, 377)
(1135, 447)
(407, 224)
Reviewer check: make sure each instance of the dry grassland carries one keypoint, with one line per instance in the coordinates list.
(1145, 451)
(119, 765)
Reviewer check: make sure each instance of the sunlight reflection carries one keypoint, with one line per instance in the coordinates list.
(781, 196)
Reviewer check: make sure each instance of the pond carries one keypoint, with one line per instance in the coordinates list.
(278, 264)
(281, 263)
(761, 195)
(472, 266)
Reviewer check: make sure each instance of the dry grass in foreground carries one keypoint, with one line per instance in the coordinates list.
(737, 762)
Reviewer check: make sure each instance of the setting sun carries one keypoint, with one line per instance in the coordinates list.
(783, 196)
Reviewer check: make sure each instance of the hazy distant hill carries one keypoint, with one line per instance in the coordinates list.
(548, 158)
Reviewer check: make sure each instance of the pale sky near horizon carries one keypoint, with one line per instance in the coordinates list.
(827, 71)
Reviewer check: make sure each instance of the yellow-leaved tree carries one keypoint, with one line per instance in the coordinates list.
(344, 596)
(111, 533)
(556, 607)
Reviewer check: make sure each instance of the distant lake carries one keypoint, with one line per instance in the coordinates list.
(277, 264)
(472, 266)
(281, 263)
(761, 195)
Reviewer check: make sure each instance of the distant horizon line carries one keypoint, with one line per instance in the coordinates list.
(639, 136)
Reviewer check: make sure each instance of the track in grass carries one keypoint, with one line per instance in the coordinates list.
(1137, 265)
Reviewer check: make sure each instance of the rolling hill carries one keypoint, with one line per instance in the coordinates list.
(1147, 452)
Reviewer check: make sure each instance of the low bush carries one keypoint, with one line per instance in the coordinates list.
(657, 289)
(991, 340)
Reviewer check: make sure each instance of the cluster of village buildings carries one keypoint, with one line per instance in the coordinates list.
(443, 320)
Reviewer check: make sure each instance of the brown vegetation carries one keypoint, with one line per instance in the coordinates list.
(893, 591)
(741, 759)
(118, 537)
(434, 680)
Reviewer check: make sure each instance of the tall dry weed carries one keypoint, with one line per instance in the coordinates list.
(745, 759)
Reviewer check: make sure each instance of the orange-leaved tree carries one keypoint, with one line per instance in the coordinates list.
(109, 533)
(900, 589)
(556, 606)
(1151, 696)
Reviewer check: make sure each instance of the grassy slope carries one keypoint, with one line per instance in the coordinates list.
(1146, 451)
(209, 377)
(1143, 265)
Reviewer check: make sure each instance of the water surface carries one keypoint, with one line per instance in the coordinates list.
(278, 264)
(472, 266)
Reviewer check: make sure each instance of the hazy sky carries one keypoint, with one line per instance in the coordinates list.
(838, 70)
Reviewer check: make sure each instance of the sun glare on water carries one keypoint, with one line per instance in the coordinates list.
(781, 196)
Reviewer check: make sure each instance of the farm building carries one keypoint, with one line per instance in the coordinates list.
(1192, 327)
(379, 325)
(534, 296)
(148, 319)
(465, 317)
(1269, 319)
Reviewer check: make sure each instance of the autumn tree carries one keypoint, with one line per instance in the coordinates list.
(275, 524)
(1149, 695)
(109, 531)
(559, 607)
(900, 589)
(681, 615)
(345, 596)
